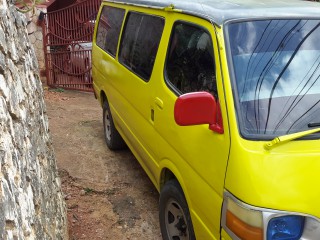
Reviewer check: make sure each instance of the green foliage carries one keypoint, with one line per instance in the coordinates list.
(28, 5)
(60, 90)
(88, 190)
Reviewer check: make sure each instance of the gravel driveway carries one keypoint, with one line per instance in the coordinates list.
(108, 195)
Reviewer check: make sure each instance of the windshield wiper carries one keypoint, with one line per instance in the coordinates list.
(314, 124)
(289, 137)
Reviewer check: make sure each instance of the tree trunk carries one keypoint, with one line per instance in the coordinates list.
(31, 201)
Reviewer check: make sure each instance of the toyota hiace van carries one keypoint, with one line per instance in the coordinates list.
(219, 101)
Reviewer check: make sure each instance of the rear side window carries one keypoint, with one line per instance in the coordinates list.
(109, 29)
(140, 43)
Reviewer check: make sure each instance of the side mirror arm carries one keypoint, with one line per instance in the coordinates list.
(216, 128)
(218, 125)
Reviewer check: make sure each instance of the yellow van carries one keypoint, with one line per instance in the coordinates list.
(220, 103)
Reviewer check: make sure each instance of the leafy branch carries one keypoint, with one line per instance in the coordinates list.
(28, 5)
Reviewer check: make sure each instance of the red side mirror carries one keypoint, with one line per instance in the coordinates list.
(197, 108)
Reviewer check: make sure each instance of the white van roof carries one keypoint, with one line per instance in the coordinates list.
(219, 11)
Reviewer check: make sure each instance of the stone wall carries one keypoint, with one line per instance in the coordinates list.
(31, 201)
(34, 29)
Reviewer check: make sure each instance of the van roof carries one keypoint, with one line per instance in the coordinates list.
(220, 11)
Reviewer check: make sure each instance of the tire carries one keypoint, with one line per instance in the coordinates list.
(113, 139)
(175, 220)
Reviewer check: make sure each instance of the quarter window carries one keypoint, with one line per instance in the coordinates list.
(140, 43)
(190, 61)
(109, 29)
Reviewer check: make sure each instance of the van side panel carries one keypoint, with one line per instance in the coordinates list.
(129, 98)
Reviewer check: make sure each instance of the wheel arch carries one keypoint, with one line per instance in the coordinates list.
(103, 97)
(171, 172)
(166, 175)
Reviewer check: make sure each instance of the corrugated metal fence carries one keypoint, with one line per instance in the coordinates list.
(67, 45)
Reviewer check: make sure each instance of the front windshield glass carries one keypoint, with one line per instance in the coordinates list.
(276, 71)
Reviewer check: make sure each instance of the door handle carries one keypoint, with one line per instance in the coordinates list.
(159, 102)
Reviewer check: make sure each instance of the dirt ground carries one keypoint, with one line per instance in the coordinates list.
(107, 193)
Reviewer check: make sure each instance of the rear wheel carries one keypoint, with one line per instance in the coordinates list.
(175, 220)
(113, 139)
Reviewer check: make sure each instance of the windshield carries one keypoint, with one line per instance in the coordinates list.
(276, 71)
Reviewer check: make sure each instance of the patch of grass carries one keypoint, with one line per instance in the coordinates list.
(85, 122)
(111, 191)
(88, 190)
(57, 90)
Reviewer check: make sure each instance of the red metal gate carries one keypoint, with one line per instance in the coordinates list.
(67, 45)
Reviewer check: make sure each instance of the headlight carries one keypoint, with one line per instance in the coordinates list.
(285, 227)
(245, 222)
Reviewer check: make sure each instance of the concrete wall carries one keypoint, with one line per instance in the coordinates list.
(31, 201)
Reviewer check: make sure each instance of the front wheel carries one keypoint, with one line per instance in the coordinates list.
(175, 220)
(113, 139)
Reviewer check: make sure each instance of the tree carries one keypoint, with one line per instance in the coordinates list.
(31, 201)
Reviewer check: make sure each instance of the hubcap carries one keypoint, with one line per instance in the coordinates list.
(107, 125)
(175, 220)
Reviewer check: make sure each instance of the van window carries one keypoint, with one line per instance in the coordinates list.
(109, 29)
(140, 43)
(190, 61)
